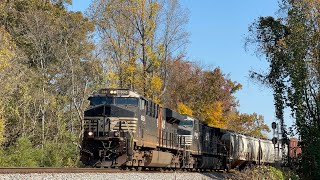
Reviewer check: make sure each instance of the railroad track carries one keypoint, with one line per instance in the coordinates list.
(27, 170)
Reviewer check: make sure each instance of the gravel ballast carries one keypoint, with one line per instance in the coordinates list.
(115, 176)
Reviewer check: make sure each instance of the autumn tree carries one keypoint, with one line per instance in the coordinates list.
(251, 124)
(7, 53)
(137, 39)
(206, 95)
(182, 88)
(173, 39)
(216, 99)
(291, 46)
(54, 71)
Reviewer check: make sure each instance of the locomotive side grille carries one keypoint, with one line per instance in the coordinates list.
(185, 140)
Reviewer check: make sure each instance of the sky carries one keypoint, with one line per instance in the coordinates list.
(217, 36)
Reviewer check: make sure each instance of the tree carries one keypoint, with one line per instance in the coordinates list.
(184, 109)
(250, 124)
(206, 95)
(291, 47)
(174, 38)
(138, 38)
(7, 53)
(54, 71)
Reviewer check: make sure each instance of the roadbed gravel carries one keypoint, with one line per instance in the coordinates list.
(116, 176)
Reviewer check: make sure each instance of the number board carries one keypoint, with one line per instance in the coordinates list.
(123, 92)
(104, 91)
(114, 92)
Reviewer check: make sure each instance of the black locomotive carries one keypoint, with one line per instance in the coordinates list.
(124, 129)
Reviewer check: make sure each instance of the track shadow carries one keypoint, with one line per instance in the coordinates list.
(218, 175)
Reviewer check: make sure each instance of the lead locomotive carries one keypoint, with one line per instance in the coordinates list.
(124, 129)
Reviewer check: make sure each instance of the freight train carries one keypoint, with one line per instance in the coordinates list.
(126, 130)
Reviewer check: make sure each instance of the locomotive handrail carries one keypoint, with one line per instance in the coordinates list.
(130, 132)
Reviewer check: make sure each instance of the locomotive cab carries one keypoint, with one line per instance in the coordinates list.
(185, 131)
(111, 114)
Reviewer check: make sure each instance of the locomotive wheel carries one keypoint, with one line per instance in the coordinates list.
(125, 168)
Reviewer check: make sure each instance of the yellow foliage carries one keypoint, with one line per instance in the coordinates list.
(113, 79)
(6, 49)
(184, 109)
(6, 54)
(251, 124)
(156, 83)
(131, 68)
(214, 115)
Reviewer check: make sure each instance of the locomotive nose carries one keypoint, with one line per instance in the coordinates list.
(101, 110)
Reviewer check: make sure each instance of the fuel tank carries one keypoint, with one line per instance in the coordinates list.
(159, 159)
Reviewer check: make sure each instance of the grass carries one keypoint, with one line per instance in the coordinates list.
(265, 173)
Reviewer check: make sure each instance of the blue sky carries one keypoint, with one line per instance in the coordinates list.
(218, 30)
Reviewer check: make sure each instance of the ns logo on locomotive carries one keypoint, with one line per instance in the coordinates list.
(124, 129)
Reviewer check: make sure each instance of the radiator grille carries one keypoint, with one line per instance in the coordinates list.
(185, 140)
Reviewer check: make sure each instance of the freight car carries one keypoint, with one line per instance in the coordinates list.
(124, 129)
(246, 150)
(294, 153)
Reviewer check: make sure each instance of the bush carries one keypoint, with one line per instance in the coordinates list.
(261, 172)
(60, 155)
(23, 154)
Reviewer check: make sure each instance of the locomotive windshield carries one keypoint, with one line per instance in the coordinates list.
(114, 100)
(186, 123)
(100, 100)
(126, 101)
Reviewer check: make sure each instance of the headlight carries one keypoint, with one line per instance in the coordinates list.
(90, 133)
(113, 92)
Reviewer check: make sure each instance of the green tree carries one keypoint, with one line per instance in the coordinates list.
(21, 154)
(51, 74)
(291, 46)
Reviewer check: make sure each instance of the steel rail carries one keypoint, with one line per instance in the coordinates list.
(28, 170)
